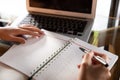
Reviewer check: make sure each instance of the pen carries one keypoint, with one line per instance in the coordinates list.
(98, 58)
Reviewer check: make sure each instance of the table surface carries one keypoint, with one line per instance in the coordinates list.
(106, 38)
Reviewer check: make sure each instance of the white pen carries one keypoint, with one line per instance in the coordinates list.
(98, 58)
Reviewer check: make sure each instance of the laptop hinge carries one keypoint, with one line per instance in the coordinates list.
(61, 16)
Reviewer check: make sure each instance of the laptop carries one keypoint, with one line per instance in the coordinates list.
(73, 18)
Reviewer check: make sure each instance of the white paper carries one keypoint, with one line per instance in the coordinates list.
(27, 57)
(64, 66)
(112, 57)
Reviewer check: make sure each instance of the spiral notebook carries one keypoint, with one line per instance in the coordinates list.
(52, 60)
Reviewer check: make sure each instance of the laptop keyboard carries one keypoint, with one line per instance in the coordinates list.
(56, 24)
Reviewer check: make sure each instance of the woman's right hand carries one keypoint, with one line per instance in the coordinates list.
(90, 71)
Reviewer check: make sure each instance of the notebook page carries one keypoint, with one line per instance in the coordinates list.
(112, 57)
(26, 57)
(64, 66)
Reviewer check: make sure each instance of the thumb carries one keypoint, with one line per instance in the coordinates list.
(88, 58)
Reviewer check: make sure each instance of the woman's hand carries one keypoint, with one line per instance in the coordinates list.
(12, 34)
(89, 70)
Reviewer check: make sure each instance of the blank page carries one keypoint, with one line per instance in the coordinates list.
(29, 56)
(64, 65)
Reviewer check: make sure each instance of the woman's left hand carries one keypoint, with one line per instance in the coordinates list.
(12, 34)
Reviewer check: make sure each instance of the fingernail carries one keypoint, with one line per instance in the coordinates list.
(36, 37)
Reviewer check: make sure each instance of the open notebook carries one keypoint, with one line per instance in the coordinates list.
(50, 58)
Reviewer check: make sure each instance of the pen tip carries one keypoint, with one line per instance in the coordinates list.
(81, 48)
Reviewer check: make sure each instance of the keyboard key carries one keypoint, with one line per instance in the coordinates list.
(56, 24)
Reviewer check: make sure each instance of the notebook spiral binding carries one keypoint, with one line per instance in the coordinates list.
(46, 63)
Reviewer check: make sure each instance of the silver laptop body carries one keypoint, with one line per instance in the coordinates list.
(83, 10)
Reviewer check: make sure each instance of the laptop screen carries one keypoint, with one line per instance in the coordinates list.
(82, 6)
(71, 8)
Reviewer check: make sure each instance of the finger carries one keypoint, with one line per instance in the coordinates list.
(17, 39)
(88, 58)
(25, 32)
(82, 71)
(101, 55)
(109, 75)
(26, 25)
(32, 28)
(83, 56)
(78, 66)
